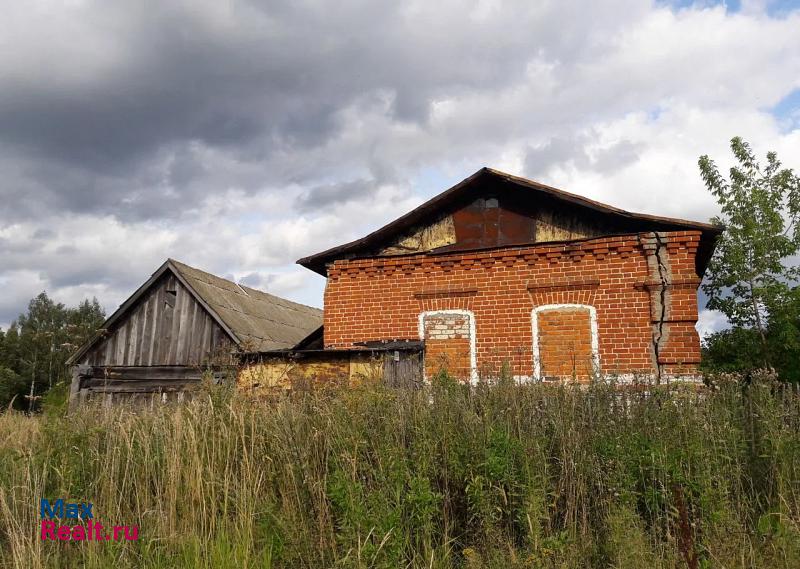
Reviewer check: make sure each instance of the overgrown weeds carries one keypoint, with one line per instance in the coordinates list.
(502, 476)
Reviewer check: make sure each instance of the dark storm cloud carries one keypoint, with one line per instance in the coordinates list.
(221, 133)
(555, 151)
(561, 150)
(105, 125)
(331, 194)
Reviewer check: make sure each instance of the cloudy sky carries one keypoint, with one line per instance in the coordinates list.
(238, 136)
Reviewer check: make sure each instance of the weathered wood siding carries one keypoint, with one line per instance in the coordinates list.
(501, 221)
(166, 327)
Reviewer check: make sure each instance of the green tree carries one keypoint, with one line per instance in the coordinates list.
(784, 336)
(36, 346)
(9, 348)
(82, 323)
(11, 386)
(3, 357)
(738, 349)
(732, 350)
(748, 279)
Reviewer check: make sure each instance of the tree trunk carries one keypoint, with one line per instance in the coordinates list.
(33, 383)
(759, 326)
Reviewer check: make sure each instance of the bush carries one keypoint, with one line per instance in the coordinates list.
(11, 385)
(740, 350)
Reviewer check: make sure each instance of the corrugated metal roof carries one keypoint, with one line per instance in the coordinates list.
(261, 321)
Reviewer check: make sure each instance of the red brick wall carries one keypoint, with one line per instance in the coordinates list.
(623, 277)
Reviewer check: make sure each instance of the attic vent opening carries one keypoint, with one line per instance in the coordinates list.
(169, 299)
(490, 202)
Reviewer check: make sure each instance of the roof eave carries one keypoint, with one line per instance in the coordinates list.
(118, 313)
(167, 265)
(318, 262)
(213, 313)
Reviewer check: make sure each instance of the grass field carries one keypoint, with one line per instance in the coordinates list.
(506, 476)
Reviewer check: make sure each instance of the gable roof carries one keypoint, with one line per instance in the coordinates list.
(254, 320)
(257, 319)
(318, 262)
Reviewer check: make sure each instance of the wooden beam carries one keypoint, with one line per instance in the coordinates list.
(74, 388)
(127, 386)
(137, 373)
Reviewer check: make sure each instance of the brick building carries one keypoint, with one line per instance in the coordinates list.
(503, 271)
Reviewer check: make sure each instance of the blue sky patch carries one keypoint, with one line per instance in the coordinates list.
(775, 8)
(782, 8)
(787, 111)
(730, 5)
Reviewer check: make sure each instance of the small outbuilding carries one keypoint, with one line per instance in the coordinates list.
(180, 324)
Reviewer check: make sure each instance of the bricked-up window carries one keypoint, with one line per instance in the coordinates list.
(449, 343)
(565, 342)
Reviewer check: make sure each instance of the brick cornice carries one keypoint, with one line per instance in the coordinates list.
(577, 251)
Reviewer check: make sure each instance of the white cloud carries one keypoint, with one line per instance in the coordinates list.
(238, 136)
(710, 321)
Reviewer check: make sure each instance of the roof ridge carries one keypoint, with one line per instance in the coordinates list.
(317, 262)
(239, 286)
(282, 299)
(261, 317)
(250, 313)
(248, 316)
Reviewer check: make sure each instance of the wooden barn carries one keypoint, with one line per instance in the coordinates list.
(179, 324)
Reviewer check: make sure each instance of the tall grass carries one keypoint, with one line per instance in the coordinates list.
(502, 476)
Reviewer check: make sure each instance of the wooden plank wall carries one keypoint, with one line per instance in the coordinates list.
(403, 371)
(167, 326)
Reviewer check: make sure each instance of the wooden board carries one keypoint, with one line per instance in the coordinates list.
(498, 218)
(166, 326)
(134, 373)
(402, 370)
(124, 386)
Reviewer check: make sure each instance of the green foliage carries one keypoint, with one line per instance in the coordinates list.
(502, 476)
(747, 278)
(36, 346)
(739, 350)
(11, 384)
(55, 401)
(784, 335)
(732, 350)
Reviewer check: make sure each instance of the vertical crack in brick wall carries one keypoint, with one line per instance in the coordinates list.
(663, 292)
(659, 293)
